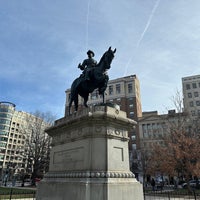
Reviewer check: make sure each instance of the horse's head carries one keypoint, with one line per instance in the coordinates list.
(107, 58)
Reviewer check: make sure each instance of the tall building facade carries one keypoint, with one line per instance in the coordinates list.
(191, 95)
(7, 111)
(125, 92)
(15, 131)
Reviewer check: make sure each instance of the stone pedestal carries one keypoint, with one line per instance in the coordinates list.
(89, 158)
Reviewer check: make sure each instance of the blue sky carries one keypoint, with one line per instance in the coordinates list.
(42, 42)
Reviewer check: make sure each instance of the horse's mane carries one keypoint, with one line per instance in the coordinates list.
(102, 58)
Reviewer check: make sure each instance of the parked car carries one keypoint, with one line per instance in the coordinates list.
(159, 183)
(192, 183)
(27, 182)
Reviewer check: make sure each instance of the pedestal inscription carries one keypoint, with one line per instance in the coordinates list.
(71, 155)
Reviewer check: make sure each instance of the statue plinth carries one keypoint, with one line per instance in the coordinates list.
(89, 158)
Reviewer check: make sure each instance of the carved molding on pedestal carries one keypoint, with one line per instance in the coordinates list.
(92, 174)
(80, 133)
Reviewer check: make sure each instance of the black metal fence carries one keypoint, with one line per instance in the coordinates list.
(166, 193)
(13, 193)
(171, 194)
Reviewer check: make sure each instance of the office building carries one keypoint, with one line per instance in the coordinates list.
(15, 131)
(191, 95)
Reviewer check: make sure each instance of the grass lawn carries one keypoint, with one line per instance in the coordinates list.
(6, 192)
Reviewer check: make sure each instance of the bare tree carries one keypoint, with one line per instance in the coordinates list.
(37, 143)
(179, 153)
(177, 101)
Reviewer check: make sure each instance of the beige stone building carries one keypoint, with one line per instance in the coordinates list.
(153, 128)
(191, 94)
(125, 92)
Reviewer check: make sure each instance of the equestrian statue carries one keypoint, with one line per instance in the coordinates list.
(94, 76)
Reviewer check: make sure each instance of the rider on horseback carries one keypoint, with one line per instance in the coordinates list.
(87, 65)
(98, 81)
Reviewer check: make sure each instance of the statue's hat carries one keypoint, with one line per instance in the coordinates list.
(90, 52)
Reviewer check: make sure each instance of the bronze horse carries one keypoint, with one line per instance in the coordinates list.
(98, 79)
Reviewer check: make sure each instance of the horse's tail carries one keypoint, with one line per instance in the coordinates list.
(74, 94)
(70, 104)
(73, 98)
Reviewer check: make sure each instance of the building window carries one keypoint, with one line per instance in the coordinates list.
(131, 114)
(196, 94)
(189, 95)
(133, 146)
(118, 89)
(193, 112)
(131, 100)
(191, 103)
(133, 137)
(144, 130)
(110, 90)
(199, 84)
(198, 103)
(194, 85)
(131, 106)
(3, 133)
(130, 88)
(187, 86)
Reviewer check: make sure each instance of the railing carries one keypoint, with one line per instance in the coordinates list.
(169, 193)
